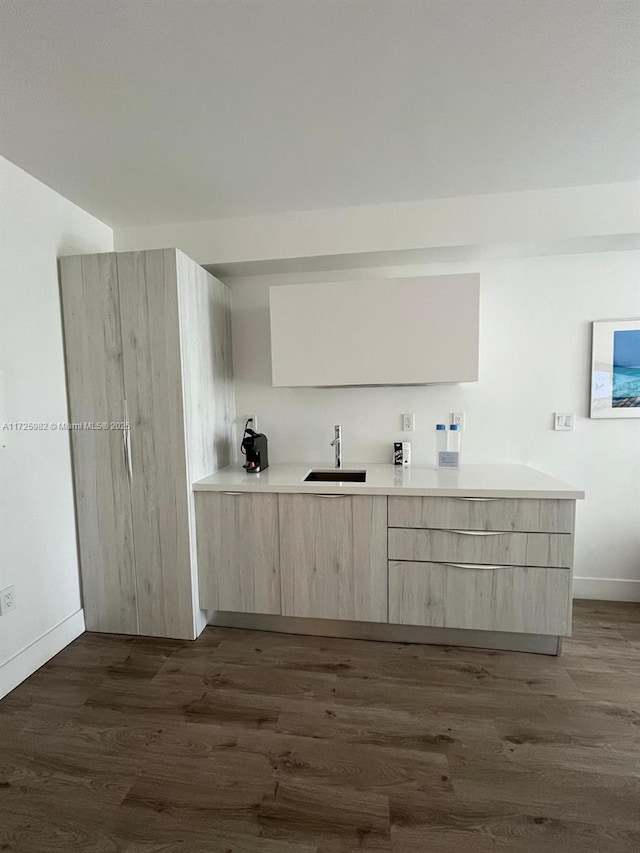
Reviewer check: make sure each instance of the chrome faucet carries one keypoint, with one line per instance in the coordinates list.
(337, 444)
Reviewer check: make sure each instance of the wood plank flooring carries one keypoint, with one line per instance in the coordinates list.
(249, 742)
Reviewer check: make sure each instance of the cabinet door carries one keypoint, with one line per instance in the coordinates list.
(333, 556)
(429, 325)
(516, 599)
(159, 484)
(238, 552)
(93, 346)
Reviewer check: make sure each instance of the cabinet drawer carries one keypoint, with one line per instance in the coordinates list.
(543, 516)
(464, 546)
(516, 599)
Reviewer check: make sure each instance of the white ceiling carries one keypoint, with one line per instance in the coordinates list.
(149, 111)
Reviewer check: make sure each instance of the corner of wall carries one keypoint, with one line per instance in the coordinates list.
(23, 664)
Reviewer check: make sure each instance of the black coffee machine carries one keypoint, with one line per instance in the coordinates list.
(254, 447)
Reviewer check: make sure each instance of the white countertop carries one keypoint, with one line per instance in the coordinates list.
(476, 481)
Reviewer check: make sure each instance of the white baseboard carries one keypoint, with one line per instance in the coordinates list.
(607, 589)
(26, 662)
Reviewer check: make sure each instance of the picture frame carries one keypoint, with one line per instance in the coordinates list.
(615, 369)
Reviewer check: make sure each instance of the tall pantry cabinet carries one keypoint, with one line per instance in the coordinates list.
(148, 356)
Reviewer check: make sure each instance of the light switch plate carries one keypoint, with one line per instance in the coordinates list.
(564, 420)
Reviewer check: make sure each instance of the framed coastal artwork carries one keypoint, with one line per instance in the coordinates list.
(615, 369)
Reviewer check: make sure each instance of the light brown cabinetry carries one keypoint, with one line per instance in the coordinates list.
(482, 546)
(517, 599)
(238, 551)
(522, 514)
(94, 361)
(481, 564)
(147, 340)
(333, 556)
(497, 565)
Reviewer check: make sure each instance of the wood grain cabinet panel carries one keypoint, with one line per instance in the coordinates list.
(333, 556)
(153, 390)
(511, 549)
(238, 552)
(515, 599)
(146, 333)
(93, 347)
(510, 514)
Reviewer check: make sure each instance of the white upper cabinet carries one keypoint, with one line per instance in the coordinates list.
(402, 331)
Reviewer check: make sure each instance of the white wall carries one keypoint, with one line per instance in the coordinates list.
(37, 526)
(534, 359)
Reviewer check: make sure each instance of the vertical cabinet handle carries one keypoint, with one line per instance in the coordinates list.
(126, 437)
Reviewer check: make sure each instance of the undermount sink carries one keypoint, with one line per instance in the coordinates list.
(336, 475)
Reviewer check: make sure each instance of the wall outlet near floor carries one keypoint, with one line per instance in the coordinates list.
(458, 418)
(563, 420)
(408, 422)
(7, 599)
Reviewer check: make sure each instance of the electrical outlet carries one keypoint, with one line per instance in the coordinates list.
(458, 418)
(253, 422)
(563, 420)
(7, 599)
(408, 422)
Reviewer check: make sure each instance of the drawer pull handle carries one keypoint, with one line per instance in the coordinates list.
(320, 495)
(480, 532)
(235, 493)
(476, 566)
(478, 500)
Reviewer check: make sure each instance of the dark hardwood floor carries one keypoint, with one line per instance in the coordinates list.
(248, 742)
